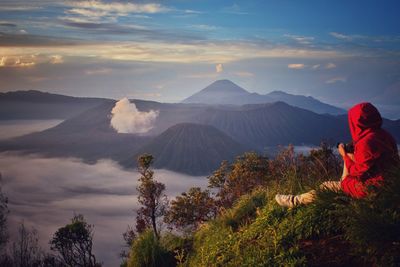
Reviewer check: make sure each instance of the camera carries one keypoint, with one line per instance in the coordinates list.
(348, 147)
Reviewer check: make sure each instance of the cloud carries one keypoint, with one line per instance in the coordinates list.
(341, 36)
(47, 191)
(203, 27)
(56, 59)
(100, 11)
(352, 37)
(127, 119)
(18, 62)
(336, 79)
(12, 128)
(296, 66)
(316, 66)
(330, 66)
(219, 68)
(98, 71)
(7, 24)
(152, 46)
(120, 8)
(305, 40)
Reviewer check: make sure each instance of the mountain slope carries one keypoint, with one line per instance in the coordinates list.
(306, 102)
(39, 105)
(192, 148)
(265, 125)
(225, 92)
(87, 136)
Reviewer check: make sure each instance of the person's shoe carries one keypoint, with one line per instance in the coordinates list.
(289, 201)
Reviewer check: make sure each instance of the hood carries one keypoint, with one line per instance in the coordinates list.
(363, 118)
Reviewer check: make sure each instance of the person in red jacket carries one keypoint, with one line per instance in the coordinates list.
(375, 151)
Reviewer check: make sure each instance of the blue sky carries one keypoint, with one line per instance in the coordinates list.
(338, 51)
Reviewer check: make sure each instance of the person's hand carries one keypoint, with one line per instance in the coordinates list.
(341, 150)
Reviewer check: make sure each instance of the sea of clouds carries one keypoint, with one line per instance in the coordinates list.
(46, 192)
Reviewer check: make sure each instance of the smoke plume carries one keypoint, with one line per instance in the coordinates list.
(126, 118)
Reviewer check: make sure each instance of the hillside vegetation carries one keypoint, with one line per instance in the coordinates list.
(250, 229)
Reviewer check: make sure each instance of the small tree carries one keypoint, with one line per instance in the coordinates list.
(25, 250)
(191, 209)
(151, 196)
(244, 175)
(3, 219)
(74, 243)
(129, 237)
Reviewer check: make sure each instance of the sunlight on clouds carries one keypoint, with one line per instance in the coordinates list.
(296, 66)
(119, 8)
(17, 62)
(216, 52)
(56, 59)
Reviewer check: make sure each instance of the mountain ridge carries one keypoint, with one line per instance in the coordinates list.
(226, 92)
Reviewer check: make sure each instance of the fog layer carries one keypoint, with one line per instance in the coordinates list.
(45, 193)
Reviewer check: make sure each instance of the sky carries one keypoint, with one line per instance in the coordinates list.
(340, 52)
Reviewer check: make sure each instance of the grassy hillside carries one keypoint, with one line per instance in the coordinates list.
(333, 231)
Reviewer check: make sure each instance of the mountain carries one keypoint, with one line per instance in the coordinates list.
(305, 102)
(225, 92)
(40, 105)
(188, 138)
(87, 136)
(192, 148)
(263, 125)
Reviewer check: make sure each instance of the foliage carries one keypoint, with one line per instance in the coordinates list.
(191, 209)
(151, 196)
(232, 181)
(372, 224)
(74, 243)
(147, 251)
(3, 219)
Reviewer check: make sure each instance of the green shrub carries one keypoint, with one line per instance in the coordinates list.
(147, 251)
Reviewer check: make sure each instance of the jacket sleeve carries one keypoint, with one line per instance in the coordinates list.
(365, 156)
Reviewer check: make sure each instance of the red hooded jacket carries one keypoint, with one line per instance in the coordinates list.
(375, 150)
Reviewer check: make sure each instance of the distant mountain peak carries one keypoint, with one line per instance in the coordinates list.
(278, 92)
(226, 86)
(219, 92)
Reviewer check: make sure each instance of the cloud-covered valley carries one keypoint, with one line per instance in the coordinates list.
(45, 193)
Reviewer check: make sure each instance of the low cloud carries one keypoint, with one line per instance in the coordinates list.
(126, 118)
(219, 68)
(296, 66)
(46, 192)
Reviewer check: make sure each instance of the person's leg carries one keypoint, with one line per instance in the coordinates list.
(306, 198)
